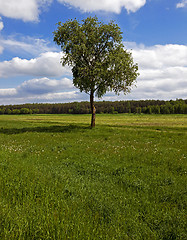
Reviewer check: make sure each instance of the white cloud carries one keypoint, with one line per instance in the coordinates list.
(12, 97)
(44, 85)
(1, 49)
(163, 71)
(163, 75)
(1, 24)
(105, 5)
(1, 28)
(29, 10)
(41, 89)
(46, 65)
(159, 56)
(182, 4)
(7, 93)
(21, 9)
(26, 45)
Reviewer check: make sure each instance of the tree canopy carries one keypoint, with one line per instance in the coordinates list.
(97, 56)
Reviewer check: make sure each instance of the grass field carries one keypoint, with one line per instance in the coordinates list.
(125, 179)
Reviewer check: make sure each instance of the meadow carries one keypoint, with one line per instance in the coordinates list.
(124, 179)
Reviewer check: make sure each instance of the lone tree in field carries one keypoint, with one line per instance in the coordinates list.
(96, 54)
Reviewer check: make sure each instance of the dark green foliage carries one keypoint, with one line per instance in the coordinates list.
(96, 54)
(25, 111)
(141, 106)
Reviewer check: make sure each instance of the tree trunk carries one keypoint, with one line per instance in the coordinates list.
(92, 109)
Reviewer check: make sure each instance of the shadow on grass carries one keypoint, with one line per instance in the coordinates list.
(49, 129)
(156, 128)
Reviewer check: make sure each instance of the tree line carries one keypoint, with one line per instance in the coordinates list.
(178, 106)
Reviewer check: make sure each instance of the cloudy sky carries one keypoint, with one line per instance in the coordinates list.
(30, 70)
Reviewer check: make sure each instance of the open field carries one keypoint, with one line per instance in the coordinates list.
(125, 179)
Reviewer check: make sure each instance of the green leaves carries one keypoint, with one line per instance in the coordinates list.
(97, 56)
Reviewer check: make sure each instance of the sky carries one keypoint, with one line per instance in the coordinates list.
(155, 31)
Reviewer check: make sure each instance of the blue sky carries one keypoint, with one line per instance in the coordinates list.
(155, 31)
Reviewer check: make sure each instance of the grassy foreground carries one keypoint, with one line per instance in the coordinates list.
(125, 179)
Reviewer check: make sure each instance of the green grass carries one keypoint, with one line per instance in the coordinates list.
(125, 179)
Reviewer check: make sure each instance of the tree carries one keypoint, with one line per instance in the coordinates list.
(25, 111)
(96, 54)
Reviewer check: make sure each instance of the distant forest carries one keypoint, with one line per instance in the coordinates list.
(178, 106)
